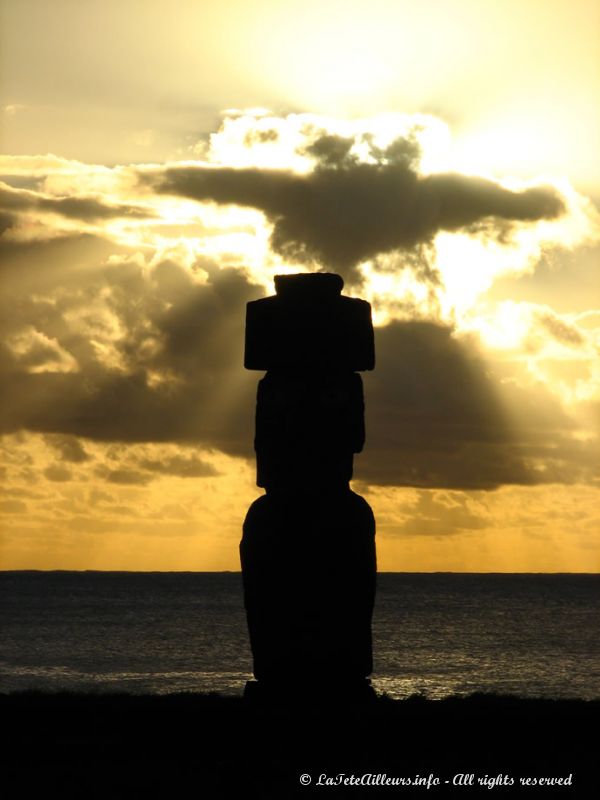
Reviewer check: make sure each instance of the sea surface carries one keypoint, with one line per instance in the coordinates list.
(437, 634)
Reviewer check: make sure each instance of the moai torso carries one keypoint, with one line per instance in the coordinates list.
(308, 548)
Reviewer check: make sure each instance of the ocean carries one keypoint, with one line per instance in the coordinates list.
(438, 634)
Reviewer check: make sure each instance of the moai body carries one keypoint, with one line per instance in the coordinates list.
(308, 546)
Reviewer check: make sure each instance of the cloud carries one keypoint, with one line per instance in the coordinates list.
(438, 416)
(158, 354)
(36, 352)
(440, 514)
(6, 222)
(47, 263)
(124, 476)
(157, 350)
(58, 473)
(433, 418)
(560, 330)
(86, 209)
(12, 507)
(180, 466)
(137, 343)
(346, 211)
(69, 448)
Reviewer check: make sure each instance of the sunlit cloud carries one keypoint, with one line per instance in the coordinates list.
(463, 262)
(127, 405)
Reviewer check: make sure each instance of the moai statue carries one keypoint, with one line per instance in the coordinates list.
(308, 547)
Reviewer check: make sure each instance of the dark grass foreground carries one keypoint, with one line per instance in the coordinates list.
(208, 746)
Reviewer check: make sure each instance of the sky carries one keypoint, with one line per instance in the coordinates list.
(161, 161)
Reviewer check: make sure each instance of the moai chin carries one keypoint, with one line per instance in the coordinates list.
(308, 546)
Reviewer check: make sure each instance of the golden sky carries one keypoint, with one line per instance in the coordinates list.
(161, 162)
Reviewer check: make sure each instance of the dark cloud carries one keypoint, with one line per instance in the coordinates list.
(39, 354)
(18, 491)
(433, 418)
(188, 386)
(437, 417)
(344, 211)
(180, 466)
(41, 265)
(561, 330)
(143, 470)
(334, 151)
(57, 473)
(86, 209)
(12, 507)
(69, 448)
(32, 182)
(331, 150)
(7, 221)
(261, 137)
(124, 476)
(430, 516)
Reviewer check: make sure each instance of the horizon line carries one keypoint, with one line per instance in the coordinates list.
(239, 572)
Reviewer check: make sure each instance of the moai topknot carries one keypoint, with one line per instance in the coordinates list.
(308, 547)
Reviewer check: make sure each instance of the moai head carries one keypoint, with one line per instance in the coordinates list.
(309, 324)
(310, 409)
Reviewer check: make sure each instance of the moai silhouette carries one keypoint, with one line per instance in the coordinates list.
(308, 546)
